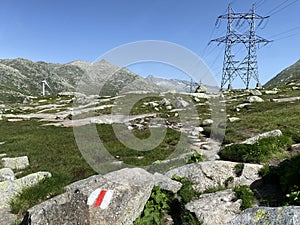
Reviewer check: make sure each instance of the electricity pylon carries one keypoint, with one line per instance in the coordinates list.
(246, 68)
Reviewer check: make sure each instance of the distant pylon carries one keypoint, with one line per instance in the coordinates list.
(246, 68)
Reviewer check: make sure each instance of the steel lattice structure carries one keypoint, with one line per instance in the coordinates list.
(247, 67)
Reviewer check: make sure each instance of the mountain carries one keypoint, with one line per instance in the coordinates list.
(21, 77)
(288, 75)
(173, 84)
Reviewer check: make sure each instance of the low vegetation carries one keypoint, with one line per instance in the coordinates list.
(263, 150)
(246, 195)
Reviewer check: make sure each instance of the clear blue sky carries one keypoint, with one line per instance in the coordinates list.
(65, 30)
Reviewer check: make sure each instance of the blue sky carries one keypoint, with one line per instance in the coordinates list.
(65, 30)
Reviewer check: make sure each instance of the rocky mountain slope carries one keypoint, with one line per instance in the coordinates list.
(288, 75)
(21, 77)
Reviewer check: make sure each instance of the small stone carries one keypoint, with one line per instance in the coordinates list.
(153, 104)
(233, 119)
(271, 92)
(207, 122)
(166, 183)
(255, 92)
(169, 107)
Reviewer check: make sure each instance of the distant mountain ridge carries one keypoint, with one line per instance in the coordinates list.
(289, 75)
(21, 77)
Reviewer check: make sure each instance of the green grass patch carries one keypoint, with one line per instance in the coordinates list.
(263, 150)
(246, 195)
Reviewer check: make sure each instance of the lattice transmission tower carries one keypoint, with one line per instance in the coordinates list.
(246, 68)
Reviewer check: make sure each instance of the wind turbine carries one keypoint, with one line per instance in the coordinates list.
(44, 84)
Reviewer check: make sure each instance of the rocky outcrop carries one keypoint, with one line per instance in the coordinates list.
(289, 215)
(131, 189)
(215, 208)
(10, 188)
(213, 174)
(273, 133)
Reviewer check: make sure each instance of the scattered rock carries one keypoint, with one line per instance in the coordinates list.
(252, 99)
(288, 215)
(201, 89)
(233, 119)
(153, 104)
(180, 103)
(168, 107)
(240, 106)
(15, 163)
(255, 92)
(131, 190)
(6, 174)
(212, 174)
(295, 88)
(271, 92)
(273, 133)
(166, 183)
(292, 99)
(3, 155)
(9, 189)
(165, 102)
(207, 122)
(215, 208)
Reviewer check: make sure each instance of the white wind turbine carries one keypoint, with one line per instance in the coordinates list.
(44, 84)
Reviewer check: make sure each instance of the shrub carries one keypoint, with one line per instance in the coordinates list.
(261, 151)
(246, 195)
(195, 158)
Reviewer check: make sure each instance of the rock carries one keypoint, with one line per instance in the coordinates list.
(199, 129)
(295, 88)
(168, 107)
(165, 102)
(233, 119)
(130, 127)
(7, 217)
(166, 183)
(273, 133)
(9, 188)
(212, 174)
(240, 106)
(153, 104)
(287, 215)
(255, 92)
(180, 103)
(252, 99)
(131, 190)
(271, 92)
(15, 163)
(6, 174)
(215, 208)
(201, 89)
(3, 155)
(207, 122)
(292, 99)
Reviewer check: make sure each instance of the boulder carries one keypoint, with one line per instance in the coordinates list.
(15, 163)
(287, 215)
(166, 183)
(6, 174)
(9, 189)
(7, 217)
(292, 99)
(215, 208)
(255, 92)
(243, 105)
(207, 122)
(273, 133)
(165, 102)
(213, 174)
(270, 92)
(129, 190)
(180, 103)
(252, 99)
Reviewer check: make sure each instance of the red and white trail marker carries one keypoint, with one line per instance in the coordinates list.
(100, 198)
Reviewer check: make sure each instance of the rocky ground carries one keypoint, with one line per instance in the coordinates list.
(132, 187)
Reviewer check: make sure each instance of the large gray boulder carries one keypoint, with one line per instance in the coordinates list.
(10, 188)
(215, 208)
(288, 215)
(252, 99)
(213, 174)
(17, 163)
(131, 190)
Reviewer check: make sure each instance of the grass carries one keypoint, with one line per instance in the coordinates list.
(263, 150)
(246, 195)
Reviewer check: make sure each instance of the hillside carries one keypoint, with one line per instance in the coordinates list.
(21, 77)
(288, 75)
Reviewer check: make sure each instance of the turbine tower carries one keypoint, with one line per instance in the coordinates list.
(44, 84)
